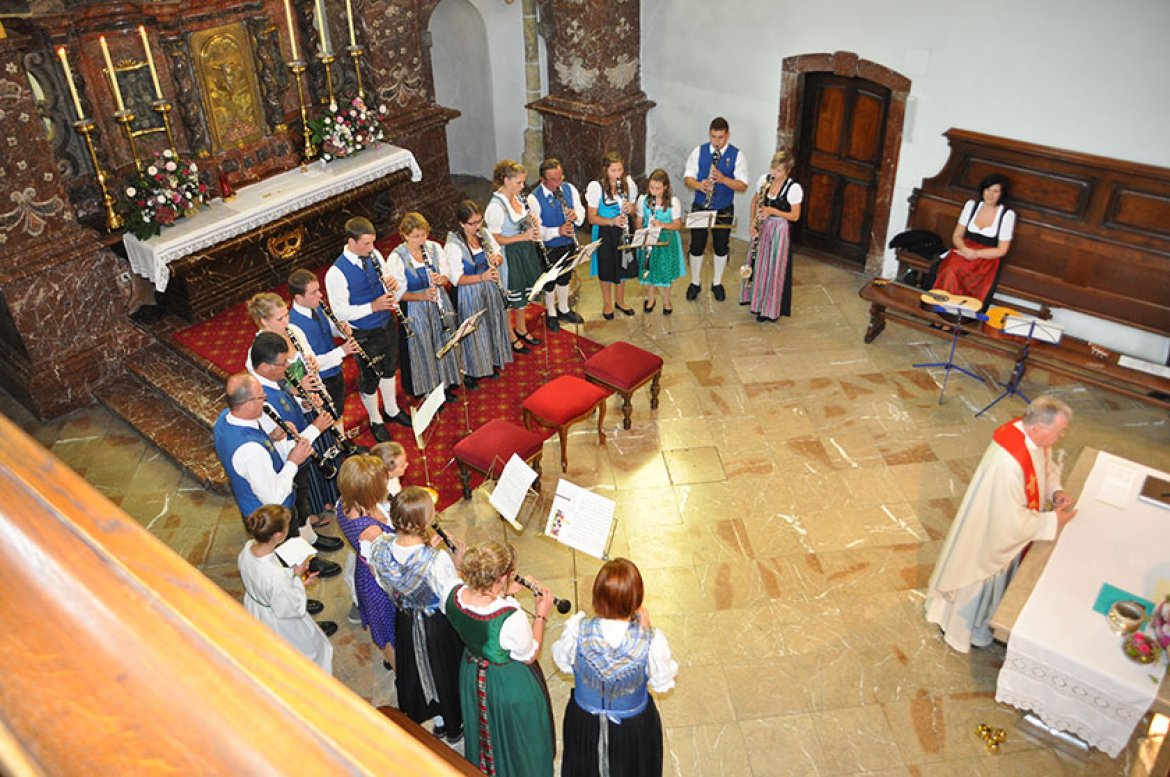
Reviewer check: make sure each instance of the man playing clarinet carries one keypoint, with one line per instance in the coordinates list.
(316, 334)
(561, 212)
(363, 294)
(716, 171)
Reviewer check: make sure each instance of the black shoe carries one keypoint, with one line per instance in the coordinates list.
(648, 306)
(667, 311)
(572, 316)
(470, 382)
(329, 627)
(440, 732)
(453, 737)
(324, 568)
(719, 293)
(528, 338)
(327, 544)
(379, 432)
(401, 418)
(312, 606)
(693, 292)
(387, 667)
(552, 323)
(523, 348)
(450, 395)
(623, 311)
(607, 316)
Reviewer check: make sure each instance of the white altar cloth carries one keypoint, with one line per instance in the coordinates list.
(1063, 662)
(260, 204)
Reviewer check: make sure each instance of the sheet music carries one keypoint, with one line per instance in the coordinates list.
(294, 551)
(645, 237)
(511, 489)
(700, 219)
(1133, 363)
(421, 417)
(580, 519)
(468, 325)
(1117, 485)
(546, 277)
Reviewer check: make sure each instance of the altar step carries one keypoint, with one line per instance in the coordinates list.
(173, 402)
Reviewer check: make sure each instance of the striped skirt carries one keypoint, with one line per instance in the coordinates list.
(322, 492)
(769, 290)
(426, 371)
(489, 345)
(523, 269)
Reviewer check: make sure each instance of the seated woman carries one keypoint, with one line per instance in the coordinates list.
(501, 687)
(615, 658)
(981, 238)
(473, 261)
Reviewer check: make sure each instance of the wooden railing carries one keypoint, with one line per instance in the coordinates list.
(118, 657)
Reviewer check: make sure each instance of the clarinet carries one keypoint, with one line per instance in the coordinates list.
(403, 320)
(446, 315)
(527, 222)
(745, 272)
(711, 176)
(623, 195)
(482, 234)
(317, 398)
(326, 461)
(371, 362)
(570, 216)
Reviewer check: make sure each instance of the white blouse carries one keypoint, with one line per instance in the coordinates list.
(662, 667)
(1005, 231)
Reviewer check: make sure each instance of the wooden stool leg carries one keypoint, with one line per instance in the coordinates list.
(601, 423)
(654, 387)
(539, 472)
(465, 479)
(527, 420)
(564, 435)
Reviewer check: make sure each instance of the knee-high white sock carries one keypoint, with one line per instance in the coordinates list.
(550, 304)
(696, 269)
(717, 270)
(389, 397)
(307, 533)
(370, 403)
(563, 298)
(347, 571)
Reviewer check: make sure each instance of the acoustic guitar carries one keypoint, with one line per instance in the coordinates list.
(929, 299)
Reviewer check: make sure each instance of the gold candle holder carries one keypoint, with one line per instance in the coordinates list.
(114, 219)
(327, 60)
(126, 118)
(355, 52)
(164, 108)
(297, 66)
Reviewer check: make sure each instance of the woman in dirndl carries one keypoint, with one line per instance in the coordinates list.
(616, 658)
(981, 238)
(504, 697)
(610, 201)
(514, 227)
(665, 264)
(431, 314)
(777, 203)
(473, 261)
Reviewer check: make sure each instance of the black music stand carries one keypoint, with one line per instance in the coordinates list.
(949, 364)
(1012, 387)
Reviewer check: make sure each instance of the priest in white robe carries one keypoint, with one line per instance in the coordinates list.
(1000, 515)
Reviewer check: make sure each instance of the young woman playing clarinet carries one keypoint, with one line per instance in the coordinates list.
(418, 575)
(518, 231)
(610, 203)
(665, 264)
(616, 658)
(504, 697)
(473, 261)
(775, 205)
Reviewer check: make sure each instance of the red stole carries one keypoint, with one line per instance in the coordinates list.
(1011, 438)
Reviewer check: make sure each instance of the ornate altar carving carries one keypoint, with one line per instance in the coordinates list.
(227, 79)
(273, 76)
(190, 109)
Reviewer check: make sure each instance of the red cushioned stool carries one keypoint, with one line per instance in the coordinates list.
(562, 402)
(488, 448)
(625, 368)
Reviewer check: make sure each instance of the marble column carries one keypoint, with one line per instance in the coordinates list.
(595, 103)
(63, 327)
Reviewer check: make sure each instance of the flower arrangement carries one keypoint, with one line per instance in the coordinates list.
(1161, 623)
(164, 190)
(345, 130)
(1138, 647)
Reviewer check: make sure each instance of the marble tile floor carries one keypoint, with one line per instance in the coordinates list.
(785, 505)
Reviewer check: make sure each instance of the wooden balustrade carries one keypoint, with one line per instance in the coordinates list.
(118, 657)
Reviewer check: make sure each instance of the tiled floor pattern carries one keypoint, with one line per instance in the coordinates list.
(785, 504)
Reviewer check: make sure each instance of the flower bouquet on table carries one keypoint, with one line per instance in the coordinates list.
(1161, 623)
(163, 191)
(343, 130)
(1141, 648)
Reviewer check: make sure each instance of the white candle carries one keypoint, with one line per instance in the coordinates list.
(292, 34)
(150, 62)
(326, 49)
(113, 75)
(69, 82)
(349, 20)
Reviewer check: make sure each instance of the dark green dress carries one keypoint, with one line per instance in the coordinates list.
(506, 713)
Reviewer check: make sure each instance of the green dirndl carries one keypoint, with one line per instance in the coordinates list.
(523, 270)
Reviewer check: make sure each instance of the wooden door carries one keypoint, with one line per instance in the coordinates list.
(839, 162)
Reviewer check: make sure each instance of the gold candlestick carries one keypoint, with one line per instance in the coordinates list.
(297, 66)
(126, 118)
(114, 219)
(327, 60)
(355, 52)
(164, 108)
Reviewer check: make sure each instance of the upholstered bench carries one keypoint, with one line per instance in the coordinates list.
(562, 402)
(625, 368)
(488, 448)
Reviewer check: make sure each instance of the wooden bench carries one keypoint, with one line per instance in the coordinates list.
(1092, 236)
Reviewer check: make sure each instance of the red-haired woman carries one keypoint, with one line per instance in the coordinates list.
(616, 658)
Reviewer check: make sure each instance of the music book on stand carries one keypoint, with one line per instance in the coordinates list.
(701, 219)
(511, 489)
(1037, 329)
(581, 519)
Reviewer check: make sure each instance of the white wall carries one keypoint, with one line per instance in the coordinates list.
(1077, 74)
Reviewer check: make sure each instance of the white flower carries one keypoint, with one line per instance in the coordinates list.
(171, 167)
(161, 199)
(152, 170)
(193, 168)
(131, 191)
(167, 153)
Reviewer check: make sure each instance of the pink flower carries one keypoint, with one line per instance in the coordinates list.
(165, 216)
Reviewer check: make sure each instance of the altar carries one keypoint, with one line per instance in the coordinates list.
(228, 251)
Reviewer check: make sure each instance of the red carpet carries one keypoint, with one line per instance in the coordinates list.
(225, 339)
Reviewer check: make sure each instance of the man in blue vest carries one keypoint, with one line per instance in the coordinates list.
(561, 212)
(316, 333)
(716, 171)
(261, 471)
(363, 293)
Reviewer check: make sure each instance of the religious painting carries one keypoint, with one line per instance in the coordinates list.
(227, 80)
